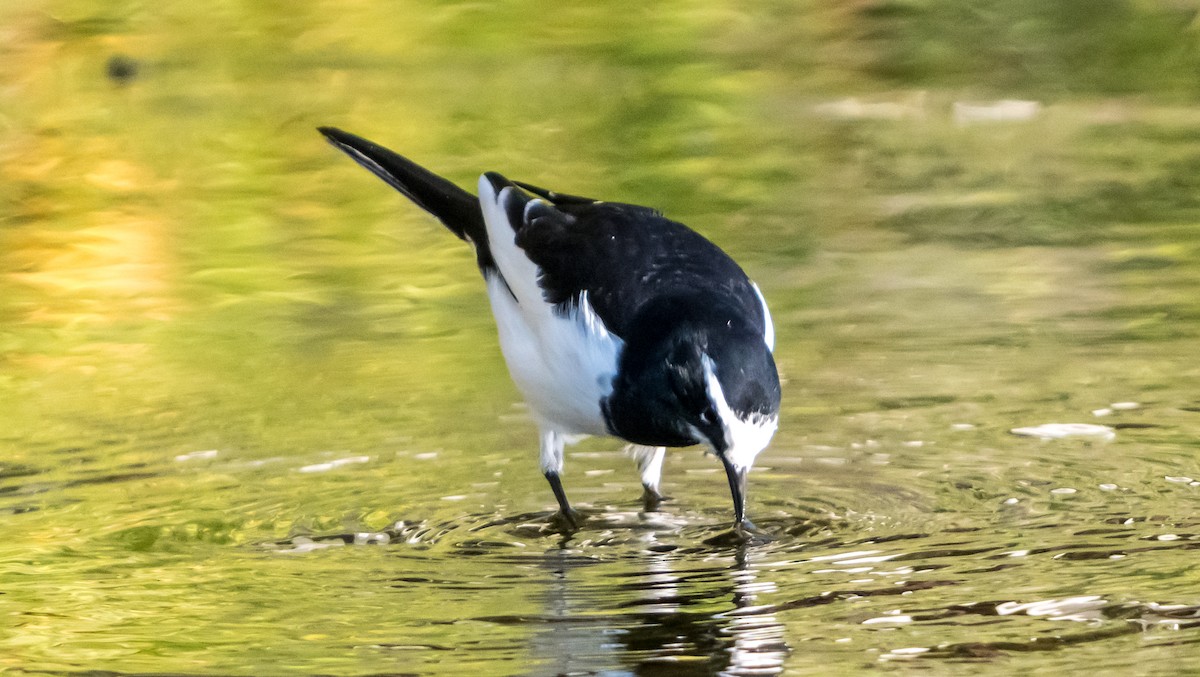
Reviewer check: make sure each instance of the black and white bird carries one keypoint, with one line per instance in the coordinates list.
(613, 320)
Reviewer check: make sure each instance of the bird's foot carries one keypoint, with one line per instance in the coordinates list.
(565, 521)
(751, 534)
(651, 499)
(742, 534)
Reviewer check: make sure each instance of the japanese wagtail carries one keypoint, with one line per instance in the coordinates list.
(613, 320)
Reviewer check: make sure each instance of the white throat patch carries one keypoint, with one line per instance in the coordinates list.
(744, 438)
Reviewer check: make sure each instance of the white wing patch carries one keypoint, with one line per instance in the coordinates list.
(563, 365)
(769, 331)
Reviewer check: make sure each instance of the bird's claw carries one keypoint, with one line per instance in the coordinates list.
(750, 534)
(566, 522)
(651, 499)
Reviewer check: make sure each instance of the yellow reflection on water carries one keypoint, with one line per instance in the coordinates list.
(114, 268)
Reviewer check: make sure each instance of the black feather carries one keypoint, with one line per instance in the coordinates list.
(457, 209)
(622, 255)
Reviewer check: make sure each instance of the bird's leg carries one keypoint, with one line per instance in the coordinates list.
(552, 464)
(565, 514)
(649, 462)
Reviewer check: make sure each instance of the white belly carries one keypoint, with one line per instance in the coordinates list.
(563, 365)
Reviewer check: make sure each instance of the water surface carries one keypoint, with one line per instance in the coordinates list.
(253, 419)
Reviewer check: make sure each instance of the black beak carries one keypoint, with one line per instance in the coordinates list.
(737, 487)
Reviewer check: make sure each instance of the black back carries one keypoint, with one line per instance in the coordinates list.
(623, 256)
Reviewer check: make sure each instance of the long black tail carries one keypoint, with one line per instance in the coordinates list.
(457, 209)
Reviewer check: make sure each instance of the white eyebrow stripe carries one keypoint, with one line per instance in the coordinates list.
(744, 438)
(716, 396)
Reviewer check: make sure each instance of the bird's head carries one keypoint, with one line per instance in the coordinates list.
(727, 392)
(726, 387)
(698, 382)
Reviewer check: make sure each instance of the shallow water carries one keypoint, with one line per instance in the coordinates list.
(253, 419)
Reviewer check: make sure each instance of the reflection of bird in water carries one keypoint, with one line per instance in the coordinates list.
(758, 643)
(591, 628)
(613, 320)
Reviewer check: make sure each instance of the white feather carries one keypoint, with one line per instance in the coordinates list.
(746, 437)
(649, 462)
(563, 365)
(769, 330)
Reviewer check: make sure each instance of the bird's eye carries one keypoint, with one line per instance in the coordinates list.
(708, 416)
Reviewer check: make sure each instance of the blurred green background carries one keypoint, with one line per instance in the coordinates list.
(966, 216)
